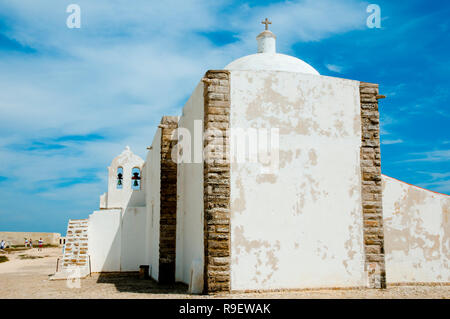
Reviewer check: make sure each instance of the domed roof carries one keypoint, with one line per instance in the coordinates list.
(271, 62)
(267, 59)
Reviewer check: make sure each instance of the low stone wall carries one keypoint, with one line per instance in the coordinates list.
(18, 238)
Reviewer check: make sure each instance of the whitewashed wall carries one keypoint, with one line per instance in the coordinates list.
(152, 197)
(417, 233)
(104, 240)
(189, 239)
(120, 198)
(301, 227)
(133, 244)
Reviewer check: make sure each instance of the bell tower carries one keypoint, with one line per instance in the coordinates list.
(124, 178)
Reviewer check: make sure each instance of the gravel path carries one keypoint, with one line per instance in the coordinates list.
(28, 278)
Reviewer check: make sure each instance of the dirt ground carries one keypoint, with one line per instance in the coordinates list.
(26, 274)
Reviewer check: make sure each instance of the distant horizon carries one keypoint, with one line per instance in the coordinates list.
(18, 231)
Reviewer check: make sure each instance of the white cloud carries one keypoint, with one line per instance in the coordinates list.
(388, 142)
(431, 156)
(334, 68)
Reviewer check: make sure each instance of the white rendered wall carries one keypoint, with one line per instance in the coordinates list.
(104, 200)
(189, 239)
(104, 240)
(302, 227)
(416, 232)
(152, 197)
(133, 238)
(120, 198)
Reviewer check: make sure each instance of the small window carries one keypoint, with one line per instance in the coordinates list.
(136, 179)
(119, 178)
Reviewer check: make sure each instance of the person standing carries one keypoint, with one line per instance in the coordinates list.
(31, 243)
(26, 243)
(40, 242)
(2, 245)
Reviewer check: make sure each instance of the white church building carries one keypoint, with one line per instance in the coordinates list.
(270, 179)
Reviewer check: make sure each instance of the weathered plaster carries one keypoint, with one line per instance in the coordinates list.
(417, 231)
(302, 227)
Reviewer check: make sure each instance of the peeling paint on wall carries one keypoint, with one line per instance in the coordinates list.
(238, 203)
(416, 233)
(312, 157)
(265, 253)
(266, 178)
(307, 208)
(285, 157)
(294, 113)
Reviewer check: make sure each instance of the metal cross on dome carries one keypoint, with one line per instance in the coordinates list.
(266, 22)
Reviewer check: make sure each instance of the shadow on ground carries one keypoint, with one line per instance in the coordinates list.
(130, 282)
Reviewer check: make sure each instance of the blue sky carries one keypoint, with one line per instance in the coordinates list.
(71, 99)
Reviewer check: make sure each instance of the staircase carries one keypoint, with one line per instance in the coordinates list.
(75, 260)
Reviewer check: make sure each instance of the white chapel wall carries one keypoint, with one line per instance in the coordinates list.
(152, 189)
(133, 227)
(189, 239)
(104, 240)
(133, 244)
(301, 227)
(417, 233)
